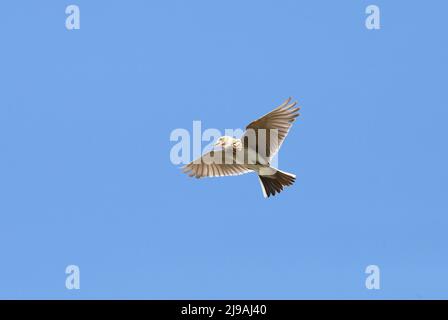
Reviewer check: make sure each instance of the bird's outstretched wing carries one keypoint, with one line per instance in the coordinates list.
(213, 164)
(279, 120)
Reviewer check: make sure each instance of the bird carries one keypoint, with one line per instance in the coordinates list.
(252, 152)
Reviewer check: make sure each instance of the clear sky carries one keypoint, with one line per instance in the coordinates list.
(85, 170)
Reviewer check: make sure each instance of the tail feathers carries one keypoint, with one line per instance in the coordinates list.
(274, 183)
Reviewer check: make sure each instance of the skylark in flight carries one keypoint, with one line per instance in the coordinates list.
(252, 152)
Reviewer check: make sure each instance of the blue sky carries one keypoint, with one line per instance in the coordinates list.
(85, 171)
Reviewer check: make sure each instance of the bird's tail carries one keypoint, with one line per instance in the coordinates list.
(274, 182)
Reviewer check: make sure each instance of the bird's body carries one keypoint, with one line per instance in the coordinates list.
(253, 152)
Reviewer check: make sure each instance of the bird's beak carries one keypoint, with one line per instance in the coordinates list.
(217, 144)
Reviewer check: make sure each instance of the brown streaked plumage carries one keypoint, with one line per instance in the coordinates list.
(253, 152)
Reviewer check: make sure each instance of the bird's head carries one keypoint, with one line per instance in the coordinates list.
(224, 142)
